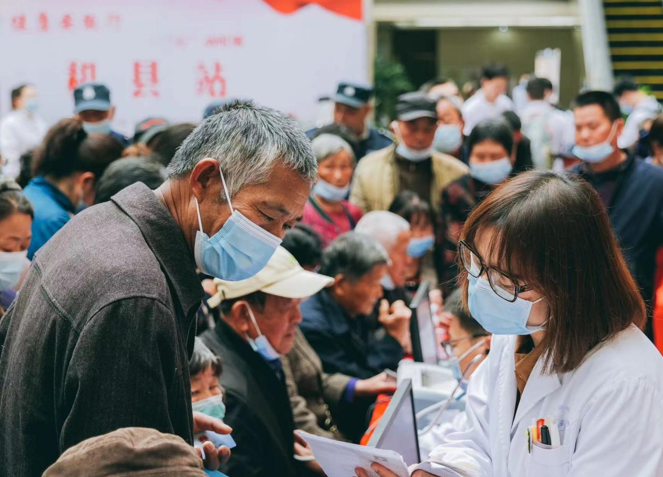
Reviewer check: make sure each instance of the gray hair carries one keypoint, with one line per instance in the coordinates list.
(455, 102)
(383, 226)
(353, 255)
(247, 140)
(328, 145)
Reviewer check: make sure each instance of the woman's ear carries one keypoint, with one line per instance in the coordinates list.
(488, 342)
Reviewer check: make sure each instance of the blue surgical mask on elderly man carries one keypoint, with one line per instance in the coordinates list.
(330, 192)
(418, 247)
(236, 252)
(497, 315)
(261, 344)
(102, 127)
(493, 173)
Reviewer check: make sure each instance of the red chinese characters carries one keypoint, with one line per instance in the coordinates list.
(211, 84)
(81, 73)
(146, 79)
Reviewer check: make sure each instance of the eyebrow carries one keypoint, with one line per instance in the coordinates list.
(281, 209)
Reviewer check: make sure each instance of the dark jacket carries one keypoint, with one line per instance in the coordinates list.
(100, 336)
(352, 346)
(375, 141)
(635, 208)
(257, 408)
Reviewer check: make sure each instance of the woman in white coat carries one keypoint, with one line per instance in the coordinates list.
(544, 274)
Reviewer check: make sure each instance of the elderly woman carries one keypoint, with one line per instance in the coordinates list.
(327, 211)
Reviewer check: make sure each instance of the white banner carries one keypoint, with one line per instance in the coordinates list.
(171, 58)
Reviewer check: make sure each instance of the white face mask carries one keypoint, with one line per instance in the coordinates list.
(414, 155)
(261, 344)
(12, 265)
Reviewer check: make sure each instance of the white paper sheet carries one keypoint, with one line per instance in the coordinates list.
(340, 459)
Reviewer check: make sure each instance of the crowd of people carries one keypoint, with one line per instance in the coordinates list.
(242, 276)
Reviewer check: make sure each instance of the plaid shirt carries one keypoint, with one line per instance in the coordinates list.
(458, 199)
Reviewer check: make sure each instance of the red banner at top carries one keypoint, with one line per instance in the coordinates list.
(347, 8)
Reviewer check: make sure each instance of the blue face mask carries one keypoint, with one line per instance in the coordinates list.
(448, 138)
(493, 172)
(261, 344)
(102, 127)
(597, 153)
(330, 192)
(419, 246)
(31, 105)
(496, 315)
(627, 109)
(236, 252)
(455, 362)
(12, 265)
(212, 406)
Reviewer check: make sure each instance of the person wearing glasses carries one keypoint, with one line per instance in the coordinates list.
(572, 386)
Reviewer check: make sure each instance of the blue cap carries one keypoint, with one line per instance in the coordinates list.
(353, 95)
(91, 97)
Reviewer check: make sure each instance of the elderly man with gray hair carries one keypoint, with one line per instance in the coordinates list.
(101, 334)
(327, 211)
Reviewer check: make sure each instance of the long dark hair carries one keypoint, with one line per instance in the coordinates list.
(552, 232)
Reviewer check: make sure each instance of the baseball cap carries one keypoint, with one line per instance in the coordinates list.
(91, 97)
(353, 95)
(283, 276)
(411, 106)
(148, 128)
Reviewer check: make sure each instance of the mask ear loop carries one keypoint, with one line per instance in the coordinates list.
(225, 189)
(200, 222)
(253, 319)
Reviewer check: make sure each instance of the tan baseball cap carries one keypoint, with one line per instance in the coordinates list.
(282, 276)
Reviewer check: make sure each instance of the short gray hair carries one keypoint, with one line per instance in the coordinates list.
(247, 140)
(353, 255)
(328, 145)
(455, 102)
(383, 226)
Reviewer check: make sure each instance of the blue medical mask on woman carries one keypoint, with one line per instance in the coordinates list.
(597, 153)
(236, 252)
(102, 127)
(330, 192)
(418, 247)
(212, 406)
(448, 138)
(261, 344)
(12, 265)
(494, 172)
(497, 315)
(32, 105)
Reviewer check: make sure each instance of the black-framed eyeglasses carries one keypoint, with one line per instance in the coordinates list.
(502, 284)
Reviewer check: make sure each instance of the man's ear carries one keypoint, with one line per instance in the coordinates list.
(111, 113)
(340, 285)
(240, 317)
(205, 179)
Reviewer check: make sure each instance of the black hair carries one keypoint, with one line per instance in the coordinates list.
(603, 99)
(16, 93)
(304, 244)
(494, 70)
(353, 255)
(165, 145)
(623, 85)
(497, 130)
(202, 359)
(67, 149)
(454, 304)
(537, 87)
(13, 201)
(25, 162)
(127, 171)
(656, 131)
(513, 119)
(411, 207)
(255, 300)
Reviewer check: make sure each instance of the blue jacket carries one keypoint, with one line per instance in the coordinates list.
(52, 211)
(636, 213)
(352, 346)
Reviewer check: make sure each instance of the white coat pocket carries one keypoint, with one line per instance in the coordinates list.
(547, 462)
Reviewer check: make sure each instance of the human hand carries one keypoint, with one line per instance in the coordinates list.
(302, 449)
(213, 457)
(396, 320)
(382, 471)
(379, 384)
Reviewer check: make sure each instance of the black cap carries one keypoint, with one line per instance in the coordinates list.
(91, 97)
(148, 128)
(353, 95)
(411, 106)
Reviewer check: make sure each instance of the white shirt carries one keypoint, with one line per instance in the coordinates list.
(610, 411)
(19, 132)
(648, 108)
(559, 125)
(477, 108)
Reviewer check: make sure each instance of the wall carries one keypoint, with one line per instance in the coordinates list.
(462, 51)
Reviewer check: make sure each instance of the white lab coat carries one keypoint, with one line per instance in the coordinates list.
(611, 408)
(477, 108)
(19, 132)
(648, 108)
